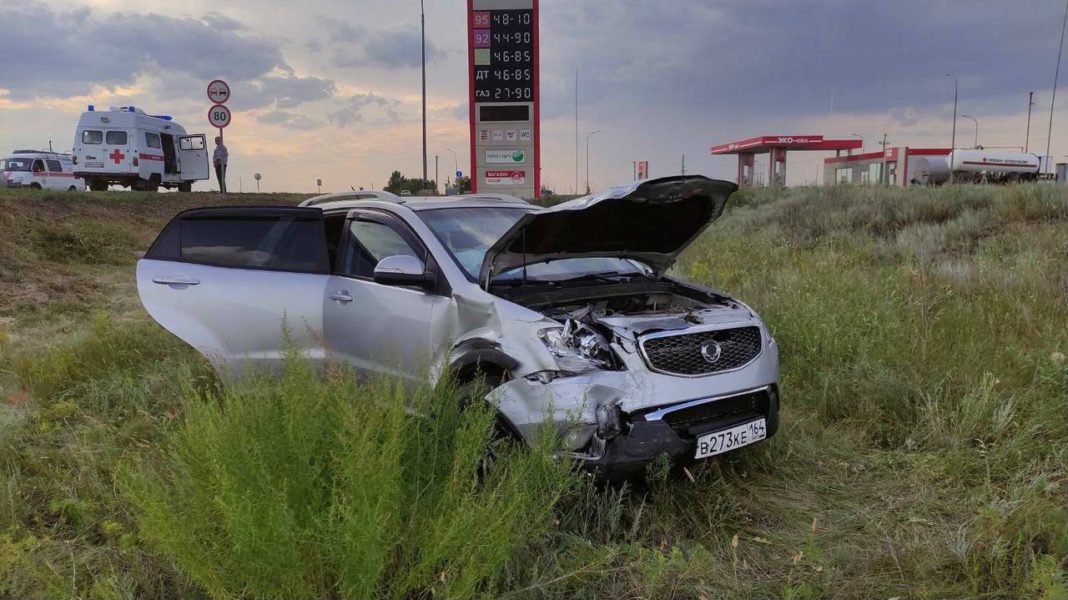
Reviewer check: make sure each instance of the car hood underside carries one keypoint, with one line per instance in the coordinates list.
(650, 221)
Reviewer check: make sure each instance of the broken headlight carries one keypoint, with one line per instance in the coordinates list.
(576, 347)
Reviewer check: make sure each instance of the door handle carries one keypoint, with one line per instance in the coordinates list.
(175, 281)
(341, 296)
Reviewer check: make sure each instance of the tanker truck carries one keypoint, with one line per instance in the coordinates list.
(985, 166)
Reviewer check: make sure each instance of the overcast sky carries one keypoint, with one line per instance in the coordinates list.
(330, 88)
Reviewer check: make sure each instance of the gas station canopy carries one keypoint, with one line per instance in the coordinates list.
(777, 146)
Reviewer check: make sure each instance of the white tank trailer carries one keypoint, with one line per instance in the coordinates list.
(984, 166)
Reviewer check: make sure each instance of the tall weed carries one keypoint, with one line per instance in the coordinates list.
(309, 487)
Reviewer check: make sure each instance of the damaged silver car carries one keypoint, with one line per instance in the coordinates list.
(567, 312)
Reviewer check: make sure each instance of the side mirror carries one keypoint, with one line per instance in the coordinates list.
(402, 270)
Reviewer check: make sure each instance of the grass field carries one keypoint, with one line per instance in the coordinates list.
(923, 453)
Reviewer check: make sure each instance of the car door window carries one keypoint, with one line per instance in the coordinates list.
(368, 243)
(275, 242)
(152, 140)
(54, 166)
(38, 166)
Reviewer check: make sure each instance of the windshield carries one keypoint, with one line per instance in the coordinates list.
(468, 233)
(15, 164)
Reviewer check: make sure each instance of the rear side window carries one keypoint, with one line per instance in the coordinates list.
(191, 143)
(152, 140)
(54, 166)
(116, 138)
(92, 136)
(276, 243)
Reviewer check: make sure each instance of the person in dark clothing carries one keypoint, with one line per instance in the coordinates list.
(222, 157)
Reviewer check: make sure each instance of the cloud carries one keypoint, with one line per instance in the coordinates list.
(66, 53)
(390, 47)
(352, 110)
(282, 92)
(288, 119)
(794, 57)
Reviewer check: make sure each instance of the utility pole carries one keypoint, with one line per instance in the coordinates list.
(883, 176)
(422, 24)
(953, 144)
(683, 164)
(1027, 137)
(1056, 76)
(436, 174)
(634, 165)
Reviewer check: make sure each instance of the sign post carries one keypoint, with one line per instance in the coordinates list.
(219, 116)
(504, 99)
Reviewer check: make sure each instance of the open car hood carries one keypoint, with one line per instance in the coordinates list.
(651, 221)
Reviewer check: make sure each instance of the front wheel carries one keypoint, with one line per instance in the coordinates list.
(35, 186)
(72, 189)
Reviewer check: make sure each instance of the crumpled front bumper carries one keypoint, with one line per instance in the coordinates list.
(617, 422)
(646, 440)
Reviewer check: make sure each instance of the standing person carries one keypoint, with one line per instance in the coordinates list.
(222, 157)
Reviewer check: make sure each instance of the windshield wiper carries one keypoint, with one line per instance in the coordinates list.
(608, 277)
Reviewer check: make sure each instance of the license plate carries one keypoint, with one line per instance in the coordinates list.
(94, 165)
(719, 442)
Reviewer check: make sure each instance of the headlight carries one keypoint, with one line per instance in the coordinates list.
(577, 348)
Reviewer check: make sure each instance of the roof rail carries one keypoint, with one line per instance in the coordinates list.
(359, 195)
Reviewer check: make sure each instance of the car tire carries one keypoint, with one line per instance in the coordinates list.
(98, 186)
(185, 187)
(503, 433)
(72, 189)
(152, 185)
(35, 186)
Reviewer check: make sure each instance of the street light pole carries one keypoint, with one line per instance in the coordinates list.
(1056, 76)
(976, 127)
(422, 24)
(861, 141)
(591, 134)
(455, 161)
(953, 144)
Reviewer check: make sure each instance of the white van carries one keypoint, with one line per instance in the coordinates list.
(124, 146)
(39, 171)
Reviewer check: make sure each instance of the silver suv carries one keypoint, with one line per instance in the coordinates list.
(567, 311)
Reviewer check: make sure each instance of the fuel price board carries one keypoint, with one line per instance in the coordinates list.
(503, 56)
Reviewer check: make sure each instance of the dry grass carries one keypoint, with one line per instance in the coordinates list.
(924, 451)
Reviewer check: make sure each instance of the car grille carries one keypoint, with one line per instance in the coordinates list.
(755, 403)
(682, 354)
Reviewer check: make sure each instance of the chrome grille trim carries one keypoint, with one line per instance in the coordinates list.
(658, 415)
(644, 339)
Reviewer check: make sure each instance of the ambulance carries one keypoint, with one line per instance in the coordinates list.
(39, 170)
(124, 146)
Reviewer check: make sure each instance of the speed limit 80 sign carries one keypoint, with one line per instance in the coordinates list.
(219, 116)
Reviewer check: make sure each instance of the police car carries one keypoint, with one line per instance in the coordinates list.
(39, 170)
(124, 146)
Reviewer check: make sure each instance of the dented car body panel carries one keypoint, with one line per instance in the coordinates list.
(584, 332)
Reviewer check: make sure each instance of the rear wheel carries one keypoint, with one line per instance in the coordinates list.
(72, 189)
(98, 186)
(152, 185)
(35, 186)
(185, 187)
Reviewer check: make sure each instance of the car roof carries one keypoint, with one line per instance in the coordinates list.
(344, 200)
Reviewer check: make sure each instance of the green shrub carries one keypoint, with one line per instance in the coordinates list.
(308, 487)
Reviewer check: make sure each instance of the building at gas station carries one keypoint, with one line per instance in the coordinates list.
(778, 147)
(900, 166)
